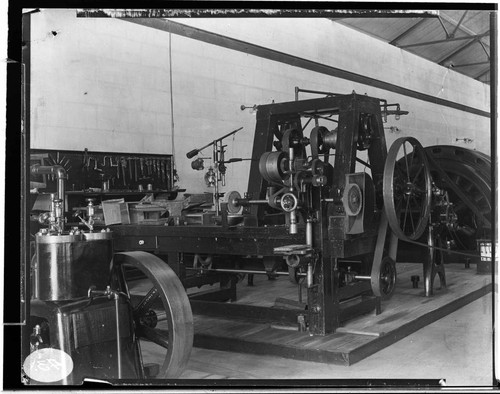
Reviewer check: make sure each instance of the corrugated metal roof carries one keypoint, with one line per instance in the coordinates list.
(455, 38)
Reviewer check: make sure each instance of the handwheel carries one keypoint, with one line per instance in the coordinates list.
(407, 188)
(384, 280)
(161, 310)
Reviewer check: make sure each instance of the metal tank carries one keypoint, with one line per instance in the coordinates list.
(68, 265)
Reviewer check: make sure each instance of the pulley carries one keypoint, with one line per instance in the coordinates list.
(352, 199)
(407, 188)
(322, 140)
(232, 202)
(365, 132)
(273, 167)
(384, 279)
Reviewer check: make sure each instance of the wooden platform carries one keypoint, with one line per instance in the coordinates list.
(406, 312)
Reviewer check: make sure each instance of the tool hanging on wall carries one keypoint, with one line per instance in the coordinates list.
(123, 163)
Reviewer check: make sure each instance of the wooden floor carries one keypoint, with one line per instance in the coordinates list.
(406, 312)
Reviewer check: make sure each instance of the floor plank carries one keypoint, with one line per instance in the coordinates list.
(407, 311)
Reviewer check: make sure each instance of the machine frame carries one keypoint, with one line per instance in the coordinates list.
(359, 128)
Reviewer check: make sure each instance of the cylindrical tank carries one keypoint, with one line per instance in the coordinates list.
(68, 265)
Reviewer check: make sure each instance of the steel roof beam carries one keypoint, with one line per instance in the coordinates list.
(459, 23)
(470, 64)
(460, 49)
(444, 28)
(475, 38)
(407, 31)
(463, 28)
(482, 73)
(484, 48)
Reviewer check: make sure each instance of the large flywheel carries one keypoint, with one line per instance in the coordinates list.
(407, 188)
(161, 310)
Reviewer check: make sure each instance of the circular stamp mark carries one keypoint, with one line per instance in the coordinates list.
(48, 365)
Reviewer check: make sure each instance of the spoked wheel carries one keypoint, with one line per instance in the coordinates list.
(384, 280)
(407, 188)
(161, 311)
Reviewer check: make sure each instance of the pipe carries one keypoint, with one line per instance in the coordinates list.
(57, 208)
(118, 339)
(309, 232)
(59, 171)
(310, 276)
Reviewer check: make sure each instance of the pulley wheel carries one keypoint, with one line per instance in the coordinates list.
(272, 167)
(407, 188)
(232, 202)
(318, 145)
(353, 199)
(161, 310)
(384, 279)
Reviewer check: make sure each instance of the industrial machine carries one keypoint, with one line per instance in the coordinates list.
(327, 205)
(80, 307)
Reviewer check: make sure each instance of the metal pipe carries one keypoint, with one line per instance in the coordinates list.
(118, 340)
(309, 232)
(293, 222)
(217, 175)
(310, 279)
(58, 208)
(257, 202)
(362, 277)
(59, 171)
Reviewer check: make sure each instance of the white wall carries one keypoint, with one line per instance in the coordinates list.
(104, 84)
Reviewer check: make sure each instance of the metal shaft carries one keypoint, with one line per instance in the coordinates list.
(118, 339)
(252, 272)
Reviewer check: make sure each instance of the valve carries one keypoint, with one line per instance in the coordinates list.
(36, 339)
(90, 215)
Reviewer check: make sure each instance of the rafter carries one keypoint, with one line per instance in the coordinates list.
(407, 31)
(484, 49)
(459, 49)
(444, 28)
(476, 37)
(482, 73)
(459, 23)
(470, 64)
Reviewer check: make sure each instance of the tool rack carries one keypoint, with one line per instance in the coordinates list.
(106, 174)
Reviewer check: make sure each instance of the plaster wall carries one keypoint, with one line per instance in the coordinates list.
(104, 84)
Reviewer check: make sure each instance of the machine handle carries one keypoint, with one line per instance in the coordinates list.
(192, 153)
